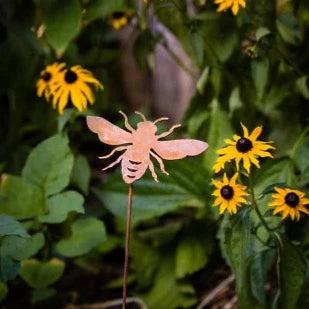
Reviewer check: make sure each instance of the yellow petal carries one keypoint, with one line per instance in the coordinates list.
(285, 213)
(222, 208)
(303, 209)
(276, 203)
(217, 201)
(229, 142)
(279, 209)
(235, 8)
(246, 162)
(242, 3)
(305, 201)
(279, 190)
(236, 137)
(86, 91)
(233, 180)
(246, 133)
(63, 101)
(292, 213)
(256, 133)
(76, 100)
(217, 183)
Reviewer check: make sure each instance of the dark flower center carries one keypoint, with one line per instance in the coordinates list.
(70, 77)
(292, 199)
(118, 15)
(227, 192)
(46, 76)
(244, 145)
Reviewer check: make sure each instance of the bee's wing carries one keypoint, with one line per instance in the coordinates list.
(179, 148)
(108, 132)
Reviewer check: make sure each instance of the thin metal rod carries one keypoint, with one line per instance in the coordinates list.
(126, 254)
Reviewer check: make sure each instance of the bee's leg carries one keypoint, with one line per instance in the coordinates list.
(120, 148)
(112, 164)
(152, 170)
(162, 168)
(169, 131)
(126, 121)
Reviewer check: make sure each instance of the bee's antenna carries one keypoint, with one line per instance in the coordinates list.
(160, 119)
(126, 121)
(143, 117)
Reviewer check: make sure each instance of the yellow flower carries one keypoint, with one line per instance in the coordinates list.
(73, 84)
(48, 76)
(289, 202)
(226, 4)
(229, 194)
(244, 148)
(118, 20)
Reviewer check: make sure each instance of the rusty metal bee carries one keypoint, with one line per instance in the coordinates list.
(140, 144)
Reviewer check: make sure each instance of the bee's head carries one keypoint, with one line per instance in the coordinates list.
(148, 126)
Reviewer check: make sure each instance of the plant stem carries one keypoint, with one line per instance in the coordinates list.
(256, 208)
(191, 73)
(126, 255)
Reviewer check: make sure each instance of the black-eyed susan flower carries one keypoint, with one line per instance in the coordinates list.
(233, 4)
(118, 20)
(73, 84)
(48, 77)
(245, 148)
(229, 195)
(289, 202)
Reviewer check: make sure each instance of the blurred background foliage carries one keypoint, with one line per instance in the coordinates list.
(62, 221)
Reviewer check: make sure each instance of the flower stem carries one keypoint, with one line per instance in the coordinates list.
(126, 256)
(256, 208)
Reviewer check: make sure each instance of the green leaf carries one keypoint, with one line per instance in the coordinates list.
(102, 8)
(142, 48)
(41, 294)
(240, 246)
(274, 171)
(20, 199)
(300, 153)
(3, 291)
(61, 205)
(289, 28)
(167, 292)
(260, 73)
(302, 86)
(161, 235)
(198, 47)
(64, 118)
(203, 80)
(270, 188)
(9, 268)
(19, 248)
(235, 101)
(9, 226)
(262, 32)
(49, 165)
(292, 272)
(191, 255)
(219, 129)
(145, 261)
(86, 234)
(185, 186)
(81, 173)
(41, 274)
(65, 16)
(178, 24)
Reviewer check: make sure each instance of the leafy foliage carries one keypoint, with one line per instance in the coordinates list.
(61, 218)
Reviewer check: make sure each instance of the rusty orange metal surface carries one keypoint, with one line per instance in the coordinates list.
(141, 144)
